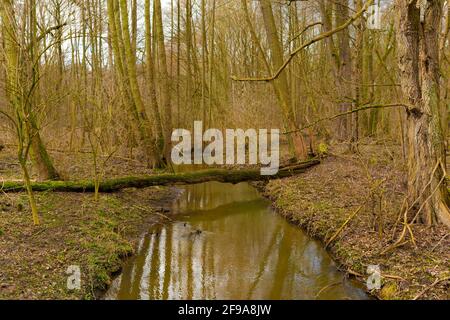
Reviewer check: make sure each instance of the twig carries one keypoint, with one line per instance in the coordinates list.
(433, 192)
(346, 113)
(399, 242)
(353, 214)
(405, 203)
(439, 242)
(389, 276)
(326, 288)
(430, 286)
(153, 212)
(345, 223)
(304, 30)
(354, 273)
(406, 224)
(309, 43)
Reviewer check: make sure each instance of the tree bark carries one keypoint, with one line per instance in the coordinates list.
(195, 177)
(150, 68)
(418, 54)
(42, 160)
(344, 68)
(357, 78)
(122, 44)
(282, 82)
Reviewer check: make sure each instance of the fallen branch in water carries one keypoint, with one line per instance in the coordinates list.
(195, 177)
(326, 288)
(152, 212)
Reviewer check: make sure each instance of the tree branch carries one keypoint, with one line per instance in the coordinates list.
(46, 32)
(380, 106)
(307, 44)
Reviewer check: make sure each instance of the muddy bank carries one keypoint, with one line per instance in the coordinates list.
(75, 231)
(370, 188)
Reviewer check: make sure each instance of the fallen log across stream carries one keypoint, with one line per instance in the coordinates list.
(194, 177)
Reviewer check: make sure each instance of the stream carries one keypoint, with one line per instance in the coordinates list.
(227, 243)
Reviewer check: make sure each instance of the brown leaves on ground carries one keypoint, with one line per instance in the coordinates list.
(323, 199)
(75, 230)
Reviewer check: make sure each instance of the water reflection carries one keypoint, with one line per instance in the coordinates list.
(228, 244)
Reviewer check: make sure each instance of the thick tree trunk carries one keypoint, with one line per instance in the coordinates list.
(126, 60)
(417, 37)
(150, 68)
(281, 84)
(195, 177)
(41, 158)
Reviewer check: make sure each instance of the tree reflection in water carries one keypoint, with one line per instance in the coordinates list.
(229, 244)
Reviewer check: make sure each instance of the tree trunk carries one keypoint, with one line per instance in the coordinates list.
(282, 82)
(14, 71)
(165, 83)
(357, 78)
(195, 177)
(150, 66)
(344, 68)
(417, 38)
(41, 158)
(122, 43)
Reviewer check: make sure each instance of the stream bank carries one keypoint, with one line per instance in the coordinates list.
(75, 231)
(98, 236)
(321, 200)
(227, 243)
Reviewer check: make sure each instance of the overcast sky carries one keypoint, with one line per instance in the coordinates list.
(165, 3)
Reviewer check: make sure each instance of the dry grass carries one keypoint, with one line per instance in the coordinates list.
(322, 200)
(75, 230)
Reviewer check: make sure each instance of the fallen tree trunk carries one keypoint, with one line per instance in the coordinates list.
(194, 177)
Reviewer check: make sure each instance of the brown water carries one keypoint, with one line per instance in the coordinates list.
(227, 243)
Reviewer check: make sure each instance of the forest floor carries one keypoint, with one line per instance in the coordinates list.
(345, 185)
(75, 231)
(97, 235)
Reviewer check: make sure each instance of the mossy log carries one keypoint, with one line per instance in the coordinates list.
(194, 177)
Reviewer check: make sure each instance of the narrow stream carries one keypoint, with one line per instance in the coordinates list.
(227, 243)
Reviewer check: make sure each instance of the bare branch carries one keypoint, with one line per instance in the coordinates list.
(307, 44)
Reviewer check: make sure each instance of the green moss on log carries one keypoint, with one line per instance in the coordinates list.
(195, 177)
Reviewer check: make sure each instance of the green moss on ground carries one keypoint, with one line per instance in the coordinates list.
(75, 230)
